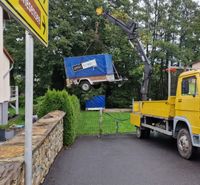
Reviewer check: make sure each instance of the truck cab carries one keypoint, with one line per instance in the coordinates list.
(187, 105)
(178, 117)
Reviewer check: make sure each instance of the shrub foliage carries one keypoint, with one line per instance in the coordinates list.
(61, 100)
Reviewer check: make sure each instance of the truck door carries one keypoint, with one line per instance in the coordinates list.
(187, 101)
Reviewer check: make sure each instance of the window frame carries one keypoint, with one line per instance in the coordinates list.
(196, 87)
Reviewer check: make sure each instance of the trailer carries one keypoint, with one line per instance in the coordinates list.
(96, 103)
(91, 70)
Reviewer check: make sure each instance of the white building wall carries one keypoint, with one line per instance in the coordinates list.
(1, 81)
(4, 82)
(196, 65)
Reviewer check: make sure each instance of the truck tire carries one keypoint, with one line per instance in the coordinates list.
(85, 85)
(184, 144)
(142, 133)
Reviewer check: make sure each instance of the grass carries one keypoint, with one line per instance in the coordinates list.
(19, 120)
(89, 123)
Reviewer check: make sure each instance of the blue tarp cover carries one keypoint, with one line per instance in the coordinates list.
(95, 102)
(86, 66)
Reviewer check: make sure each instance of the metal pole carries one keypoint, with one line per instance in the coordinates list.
(169, 79)
(117, 127)
(1, 66)
(1, 39)
(1, 53)
(17, 100)
(28, 108)
(100, 121)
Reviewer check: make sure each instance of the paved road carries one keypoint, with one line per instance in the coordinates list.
(123, 160)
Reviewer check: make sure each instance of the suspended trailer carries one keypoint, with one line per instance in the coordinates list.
(90, 70)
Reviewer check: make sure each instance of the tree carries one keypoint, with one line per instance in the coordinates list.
(169, 30)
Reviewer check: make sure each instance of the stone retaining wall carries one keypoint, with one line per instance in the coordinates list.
(47, 142)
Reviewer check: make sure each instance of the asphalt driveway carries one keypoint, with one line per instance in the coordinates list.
(123, 160)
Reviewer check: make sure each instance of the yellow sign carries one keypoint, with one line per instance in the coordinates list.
(33, 14)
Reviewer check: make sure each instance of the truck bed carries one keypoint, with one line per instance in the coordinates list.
(161, 109)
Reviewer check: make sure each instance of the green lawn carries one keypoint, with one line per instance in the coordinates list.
(89, 123)
(19, 120)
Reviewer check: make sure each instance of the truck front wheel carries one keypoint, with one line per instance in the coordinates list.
(184, 144)
(142, 133)
(85, 85)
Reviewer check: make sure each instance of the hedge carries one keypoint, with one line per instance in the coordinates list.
(61, 100)
(76, 108)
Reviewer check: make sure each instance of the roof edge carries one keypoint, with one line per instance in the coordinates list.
(8, 55)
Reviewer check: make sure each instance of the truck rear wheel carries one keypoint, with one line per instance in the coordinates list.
(184, 144)
(85, 85)
(142, 133)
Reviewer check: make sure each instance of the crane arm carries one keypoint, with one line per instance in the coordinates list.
(131, 30)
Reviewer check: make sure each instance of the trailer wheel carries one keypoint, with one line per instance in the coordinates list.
(85, 85)
(184, 144)
(142, 133)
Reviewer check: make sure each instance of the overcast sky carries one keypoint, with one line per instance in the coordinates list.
(198, 1)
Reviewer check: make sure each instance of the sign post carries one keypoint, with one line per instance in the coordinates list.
(28, 108)
(169, 79)
(1, 55)
(34, 16)
(1, 65)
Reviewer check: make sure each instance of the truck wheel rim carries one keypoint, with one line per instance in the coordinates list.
(183, 143)
(85, 87)
(138, 132)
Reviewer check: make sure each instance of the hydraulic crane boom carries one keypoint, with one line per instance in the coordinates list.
(131, 31)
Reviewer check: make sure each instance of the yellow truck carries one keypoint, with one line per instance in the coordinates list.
(178, 117)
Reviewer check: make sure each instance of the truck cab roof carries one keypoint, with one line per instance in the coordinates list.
(189, 73)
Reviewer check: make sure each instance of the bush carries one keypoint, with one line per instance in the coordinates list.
(76, 110)
(22, 101)
(37, 103)
(61, 100)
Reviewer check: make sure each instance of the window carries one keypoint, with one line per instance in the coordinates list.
(189, 86)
